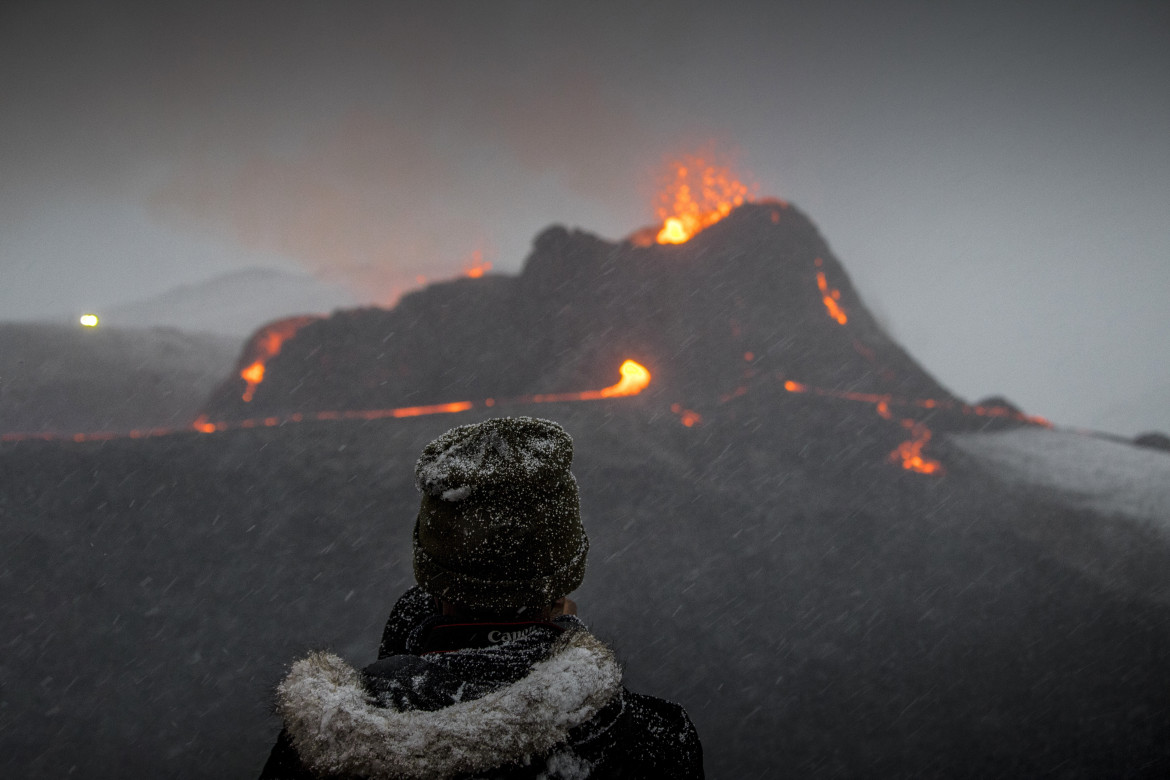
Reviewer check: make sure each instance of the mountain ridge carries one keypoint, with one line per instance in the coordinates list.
(232, 304)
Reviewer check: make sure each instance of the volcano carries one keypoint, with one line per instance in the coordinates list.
(758, 293)
(751, 308)
(838, 567)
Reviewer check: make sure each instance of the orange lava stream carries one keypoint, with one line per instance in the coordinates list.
(634, 379)
(884, 401)
(268, 345)
(909, 453)
(253, 375)
(830, 296)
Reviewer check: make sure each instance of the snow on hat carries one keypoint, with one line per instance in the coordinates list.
(500, 520)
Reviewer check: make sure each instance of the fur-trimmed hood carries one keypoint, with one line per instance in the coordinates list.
(339, 728)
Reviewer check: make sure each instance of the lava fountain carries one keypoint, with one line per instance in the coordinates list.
(698, 193)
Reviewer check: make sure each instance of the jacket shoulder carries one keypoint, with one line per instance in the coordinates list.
(668, 744)
(411, 609)
(284, 763)
(641, 736)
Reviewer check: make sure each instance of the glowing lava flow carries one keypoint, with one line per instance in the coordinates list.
(700, 194)
(267, 346)
(909, 453)
(634, 379)
(882, 404)
(830, 296)
(478, 266)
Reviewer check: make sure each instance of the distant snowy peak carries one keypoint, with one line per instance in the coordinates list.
(234, 304)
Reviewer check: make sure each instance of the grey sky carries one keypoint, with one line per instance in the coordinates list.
(996, 180)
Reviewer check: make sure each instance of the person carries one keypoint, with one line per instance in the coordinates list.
(484, 668)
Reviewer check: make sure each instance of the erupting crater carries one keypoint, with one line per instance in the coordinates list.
(701, 194)
(697, 193)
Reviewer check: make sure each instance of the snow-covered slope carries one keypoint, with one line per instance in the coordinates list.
(1113, 478)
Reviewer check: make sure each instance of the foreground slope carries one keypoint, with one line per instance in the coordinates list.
(817, 610)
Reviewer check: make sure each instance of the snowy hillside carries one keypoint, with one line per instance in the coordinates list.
(1082, 471)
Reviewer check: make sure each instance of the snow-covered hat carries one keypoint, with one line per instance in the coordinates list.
(500, 521)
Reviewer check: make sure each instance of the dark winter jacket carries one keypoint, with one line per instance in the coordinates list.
(452, 698)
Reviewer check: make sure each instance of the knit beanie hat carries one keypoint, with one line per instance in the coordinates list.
(500, 521)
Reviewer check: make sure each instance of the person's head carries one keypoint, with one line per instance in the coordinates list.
(499, 528)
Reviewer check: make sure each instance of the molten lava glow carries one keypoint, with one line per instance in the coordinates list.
(89, 320)
(909, 453)
(699, 194)
(415, 411)
(634, 379)
(673, 232)
(478, 266)
(830, 296)
(267, 346)
(253, 375)
(202, 425)
(687, 417)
